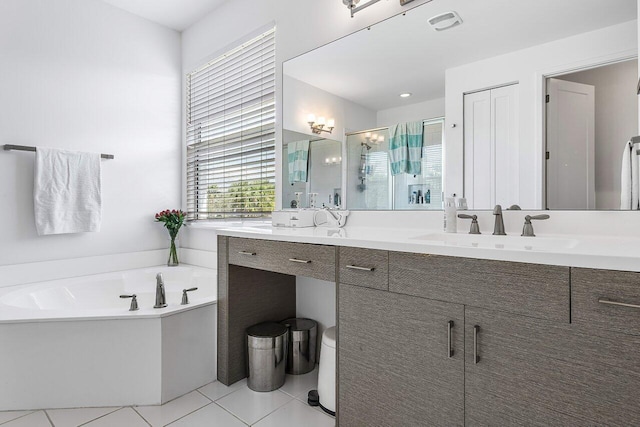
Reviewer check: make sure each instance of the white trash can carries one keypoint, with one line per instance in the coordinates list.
(326, 374)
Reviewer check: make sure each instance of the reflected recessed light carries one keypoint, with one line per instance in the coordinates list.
(405, 95)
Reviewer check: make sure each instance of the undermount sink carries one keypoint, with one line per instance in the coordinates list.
(489, 241)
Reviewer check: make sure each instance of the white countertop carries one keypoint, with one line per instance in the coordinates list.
(601, 252)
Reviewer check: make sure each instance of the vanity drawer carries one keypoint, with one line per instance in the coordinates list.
(364, 267)
(533, 290)
(606, 299)
(297, 259)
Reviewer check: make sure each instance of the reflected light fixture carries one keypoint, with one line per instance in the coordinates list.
(320, 125)
(373, 138)
(405, 95)
(332, 161)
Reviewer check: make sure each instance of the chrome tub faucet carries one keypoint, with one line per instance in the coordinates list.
(161, 300)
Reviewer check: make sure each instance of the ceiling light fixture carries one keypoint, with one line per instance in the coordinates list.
(444, 21)
(353, 7)
(405, 95)
(318, 126)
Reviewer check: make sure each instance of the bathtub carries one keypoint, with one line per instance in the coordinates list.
(74, 343)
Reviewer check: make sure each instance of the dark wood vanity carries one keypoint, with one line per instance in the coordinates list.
(439, 340)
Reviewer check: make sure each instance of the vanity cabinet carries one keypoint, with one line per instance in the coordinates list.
(438, 340)
(520, 370)
(401, 359)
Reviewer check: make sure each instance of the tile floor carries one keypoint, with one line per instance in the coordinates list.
(212, 405)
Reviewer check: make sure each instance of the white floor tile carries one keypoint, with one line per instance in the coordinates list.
(250, 406)
(294, 414)
(36, 419)
(125, 417)
(210, 415)
(216, 389)
(12, 415)
(171, 411)
(300, 385)
(76, 417)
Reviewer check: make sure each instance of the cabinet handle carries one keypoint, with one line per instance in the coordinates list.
(622, 304)
(301, 261)
(355, 267)
(450, 325)
(247, 253)
(476, 357)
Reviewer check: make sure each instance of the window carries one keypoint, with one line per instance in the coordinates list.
(231, 133)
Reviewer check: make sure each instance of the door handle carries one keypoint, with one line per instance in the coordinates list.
(450, 325)
(247, 253)
(300, 261)
(476, 357)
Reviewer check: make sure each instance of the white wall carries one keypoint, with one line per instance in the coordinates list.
(528, 67)
(616, 122)
(430, 109)
(83, 75)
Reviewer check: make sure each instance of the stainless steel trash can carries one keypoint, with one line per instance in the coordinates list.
(303, 337)
(267, 348)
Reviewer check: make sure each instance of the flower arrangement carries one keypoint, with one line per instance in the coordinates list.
(173, 220)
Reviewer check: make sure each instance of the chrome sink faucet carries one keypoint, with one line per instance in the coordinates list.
(498, 228)
(161, 300)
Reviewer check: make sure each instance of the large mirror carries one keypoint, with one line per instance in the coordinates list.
(535, 103)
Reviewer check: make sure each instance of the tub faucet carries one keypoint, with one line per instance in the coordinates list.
(161, 300)
(498, 228)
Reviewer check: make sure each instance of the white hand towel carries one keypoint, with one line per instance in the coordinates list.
(635, 179)
(67, 191)
(625, 179)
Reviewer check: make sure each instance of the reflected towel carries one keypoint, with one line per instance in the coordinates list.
(626, 179)
(405, 148)
(67, 192)
(298, 159)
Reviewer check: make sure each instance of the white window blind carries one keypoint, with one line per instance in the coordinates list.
(231, 133)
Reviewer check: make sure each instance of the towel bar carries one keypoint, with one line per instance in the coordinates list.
(8, 147)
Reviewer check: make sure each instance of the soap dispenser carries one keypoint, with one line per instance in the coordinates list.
(450, 210)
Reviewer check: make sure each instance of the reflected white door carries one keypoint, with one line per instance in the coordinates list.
(571, 145)
(491, 152)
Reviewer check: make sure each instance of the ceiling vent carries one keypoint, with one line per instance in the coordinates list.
(444, 21)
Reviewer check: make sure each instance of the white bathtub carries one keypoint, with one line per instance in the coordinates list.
(74, 343)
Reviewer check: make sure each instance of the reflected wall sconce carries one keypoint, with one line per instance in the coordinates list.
(373, 138)
(320, 125)
(332, 161)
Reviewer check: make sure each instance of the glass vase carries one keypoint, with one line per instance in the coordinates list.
(173, 253)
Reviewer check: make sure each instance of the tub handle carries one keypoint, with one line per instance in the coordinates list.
(134, 301)
(185, 298)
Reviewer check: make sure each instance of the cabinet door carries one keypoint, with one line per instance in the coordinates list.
(395, 365)
(538, 372)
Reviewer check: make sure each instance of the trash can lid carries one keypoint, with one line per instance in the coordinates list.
(329, 337)
(300, 324)
(267, 330)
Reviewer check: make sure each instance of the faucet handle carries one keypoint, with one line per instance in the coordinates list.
(527, 230)
(134, 301)
(528, 218)
(185, 298)
(475, 228)
(159, 278)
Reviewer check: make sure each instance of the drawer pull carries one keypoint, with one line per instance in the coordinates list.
(476, 357)
(301, 261)
(355, 267)
(449, 348)
(622, 304)
(247, 253)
